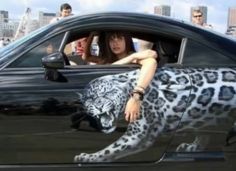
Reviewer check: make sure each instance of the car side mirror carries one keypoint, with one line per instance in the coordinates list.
(54, 61)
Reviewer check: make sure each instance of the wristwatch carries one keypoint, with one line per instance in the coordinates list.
(137, 95)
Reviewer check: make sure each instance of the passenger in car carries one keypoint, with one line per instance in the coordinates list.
(77, 58)
(80, 46)
(118, 48)
(49, 48)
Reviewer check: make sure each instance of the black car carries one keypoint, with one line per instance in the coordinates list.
(44, 124)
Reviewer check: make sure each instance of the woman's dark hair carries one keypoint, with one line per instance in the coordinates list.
(129, 45)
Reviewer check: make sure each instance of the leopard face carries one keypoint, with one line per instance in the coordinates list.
(104, 101)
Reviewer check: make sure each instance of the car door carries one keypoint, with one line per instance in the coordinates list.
(209, 133)
(41, 120)
(38, 116)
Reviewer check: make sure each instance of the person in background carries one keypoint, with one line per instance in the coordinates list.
(65, 11)
(197, 19)
(1, 42)
(8, 41)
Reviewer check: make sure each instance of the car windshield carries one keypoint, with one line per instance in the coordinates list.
(7, 50)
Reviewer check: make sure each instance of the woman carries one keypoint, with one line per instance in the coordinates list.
(119, 49)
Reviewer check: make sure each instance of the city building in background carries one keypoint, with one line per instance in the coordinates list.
(15, 28)
(162, 10)
(4, 16)
(8, 30)
(45, 18)
(203, 9)
(27, 24)
(7, 26)
(231, 25)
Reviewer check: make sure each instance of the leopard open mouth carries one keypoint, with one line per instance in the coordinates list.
(107, 122)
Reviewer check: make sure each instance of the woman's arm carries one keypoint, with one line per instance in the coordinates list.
(147, 72)
(147, 60)
(137, 57)
(148, 69)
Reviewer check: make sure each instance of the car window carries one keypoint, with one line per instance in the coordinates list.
(196, 53)
(167, 48)
(33, 57)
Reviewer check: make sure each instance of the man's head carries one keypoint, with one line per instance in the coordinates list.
(197, 17)
(65, 10)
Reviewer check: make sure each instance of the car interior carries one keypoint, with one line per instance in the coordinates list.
(166, 47)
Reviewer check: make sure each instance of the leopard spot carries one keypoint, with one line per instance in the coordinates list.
(206, 96)
(216, 108)
(170, 96)
(107, 152)
(195, 113)
(226, 93)
(229, 76)
(211, 77)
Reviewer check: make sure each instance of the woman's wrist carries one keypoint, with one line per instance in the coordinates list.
(137, 95)
(139, 88)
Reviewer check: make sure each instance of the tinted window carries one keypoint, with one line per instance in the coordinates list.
(196, 53)
(34, 56)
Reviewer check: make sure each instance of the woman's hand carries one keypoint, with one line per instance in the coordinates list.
(132, 110)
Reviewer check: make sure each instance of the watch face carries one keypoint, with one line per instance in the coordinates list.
(137, 96)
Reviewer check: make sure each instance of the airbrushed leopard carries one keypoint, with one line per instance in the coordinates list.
(171, 97)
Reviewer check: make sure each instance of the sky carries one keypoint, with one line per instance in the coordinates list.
(180, 9)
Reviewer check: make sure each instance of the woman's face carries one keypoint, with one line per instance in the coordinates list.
(117, 45)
